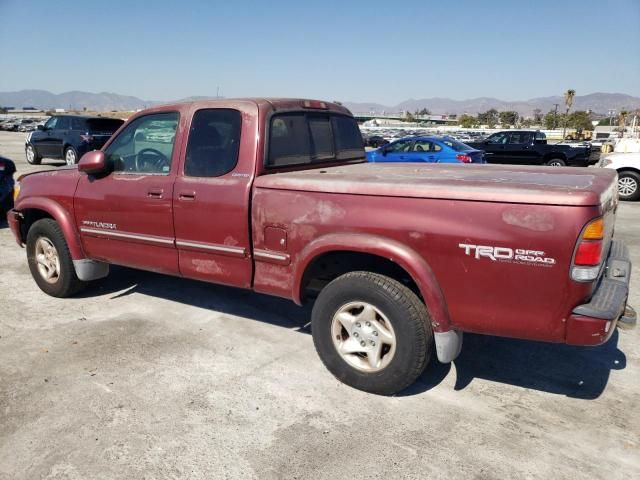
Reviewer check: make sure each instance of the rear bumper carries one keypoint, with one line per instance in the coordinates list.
(593, 323)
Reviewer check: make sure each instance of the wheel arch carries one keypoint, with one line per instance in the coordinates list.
(384, 255)
(36, 208)
(555, 154)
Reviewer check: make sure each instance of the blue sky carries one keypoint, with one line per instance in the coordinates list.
(373, 51)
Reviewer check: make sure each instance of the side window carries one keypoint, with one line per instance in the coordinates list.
(78, 124)
(51, 123)
(498, 138)
(422, 146)
(214, 141)
(145, 145)
(399, 146)
(520, 138)
(64, 123)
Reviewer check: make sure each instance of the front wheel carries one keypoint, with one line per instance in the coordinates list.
(629, 186)
(372, 332)
(32, 155)
(50, 261)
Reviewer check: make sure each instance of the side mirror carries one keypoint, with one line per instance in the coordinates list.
(40, 127)
(93, 163)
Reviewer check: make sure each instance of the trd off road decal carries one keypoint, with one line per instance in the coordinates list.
(508, 255)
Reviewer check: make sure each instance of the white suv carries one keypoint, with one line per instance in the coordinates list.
(628, 167)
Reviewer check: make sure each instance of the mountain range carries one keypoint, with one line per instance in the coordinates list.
(104, 101)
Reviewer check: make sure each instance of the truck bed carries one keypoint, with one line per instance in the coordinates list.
(490, 183)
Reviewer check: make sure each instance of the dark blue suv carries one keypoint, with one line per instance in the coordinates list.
(69, 137)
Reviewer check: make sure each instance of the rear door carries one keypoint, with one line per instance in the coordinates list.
(520, 149)
(425, 151)
(126, 217)
(211, 196)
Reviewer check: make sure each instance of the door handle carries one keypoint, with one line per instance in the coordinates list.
(155, 193)
(187, 196)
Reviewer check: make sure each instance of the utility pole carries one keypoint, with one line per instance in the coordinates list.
(555, 116)
(611, 114)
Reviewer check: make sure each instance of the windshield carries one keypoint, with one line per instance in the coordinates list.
(303, 138)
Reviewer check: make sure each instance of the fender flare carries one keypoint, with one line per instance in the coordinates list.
(60, 215)
(401, 254)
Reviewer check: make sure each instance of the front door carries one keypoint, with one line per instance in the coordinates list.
(520, 148)
(57, 136)
(41, 139)
(397, 151)
(126, 217)
(495, 148)
(211, 196)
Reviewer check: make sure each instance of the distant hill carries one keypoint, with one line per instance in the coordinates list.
(76, 100)
(71, 100)
(597, 102)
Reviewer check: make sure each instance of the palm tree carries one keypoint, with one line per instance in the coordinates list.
(622, 119)
(568, 101)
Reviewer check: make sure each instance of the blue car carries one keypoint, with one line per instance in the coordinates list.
(430, 149)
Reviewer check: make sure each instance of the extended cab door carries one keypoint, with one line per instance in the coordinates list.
(212, 192)
(126, 217)
(520, 149)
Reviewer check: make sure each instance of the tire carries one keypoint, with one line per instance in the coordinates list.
(32, 155)
(629, 185)
(53, 272)
(70, 156)
(556, 162)
(364, 308)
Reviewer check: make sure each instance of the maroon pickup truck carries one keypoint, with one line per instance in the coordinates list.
(275, 195)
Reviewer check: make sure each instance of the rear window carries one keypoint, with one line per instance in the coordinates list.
(307, 138)
(456, 145)
(106, 125)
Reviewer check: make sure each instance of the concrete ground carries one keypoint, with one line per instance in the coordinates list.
(147, 376)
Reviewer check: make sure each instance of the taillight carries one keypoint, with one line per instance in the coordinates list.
(589, 252)
(464, 158)
(86, 137)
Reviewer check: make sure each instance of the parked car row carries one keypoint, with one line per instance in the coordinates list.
(15, 124)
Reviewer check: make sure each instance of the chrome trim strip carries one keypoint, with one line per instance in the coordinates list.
(132, 236)
(282, 257)
(213, 247)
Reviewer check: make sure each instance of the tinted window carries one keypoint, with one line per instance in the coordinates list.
(104, 125)
(321, 137)
(145, 145)
(348, 137)
(306, 138)
(78, 124)
(521, 138)
(63, 123)
(214, 141)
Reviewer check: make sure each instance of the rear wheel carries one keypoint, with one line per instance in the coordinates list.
(32, 155)
(557, 162)
(50, 261)
(70, 156)
(372, 332)
(629, 185)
